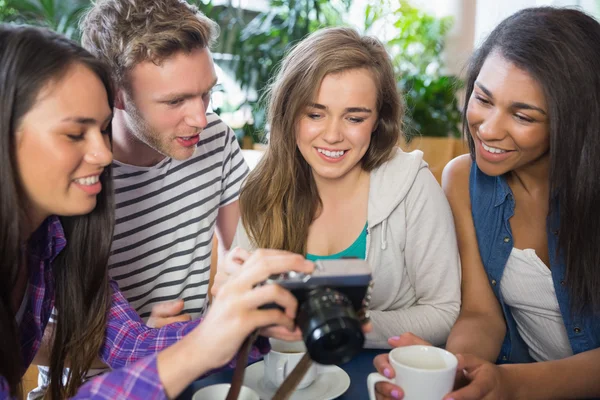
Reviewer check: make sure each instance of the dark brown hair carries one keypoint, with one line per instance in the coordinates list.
(30, 60)
(560, 49)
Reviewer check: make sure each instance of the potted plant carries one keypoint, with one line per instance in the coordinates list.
(416, 44)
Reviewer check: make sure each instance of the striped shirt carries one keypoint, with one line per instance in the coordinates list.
(165, 221)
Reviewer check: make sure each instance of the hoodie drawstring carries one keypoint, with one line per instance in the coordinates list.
(383, 235)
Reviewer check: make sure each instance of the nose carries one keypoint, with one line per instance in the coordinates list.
(492, 127)
(98, 151)
(333, 132)
(196, 114)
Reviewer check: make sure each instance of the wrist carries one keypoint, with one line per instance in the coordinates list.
(511, 379)
(185, 361)
(178, 366)
(202, 350)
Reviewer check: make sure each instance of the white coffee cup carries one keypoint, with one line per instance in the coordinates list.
(282, 360)
(423, 372)
(219, 392)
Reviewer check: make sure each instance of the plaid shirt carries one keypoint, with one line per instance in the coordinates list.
(130, 347)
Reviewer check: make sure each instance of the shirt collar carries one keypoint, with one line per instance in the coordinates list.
(502, 191)
(49, 239)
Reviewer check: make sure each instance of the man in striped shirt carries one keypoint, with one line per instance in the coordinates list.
(178, 168)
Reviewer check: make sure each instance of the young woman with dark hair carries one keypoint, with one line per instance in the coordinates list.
(526, 209)
(57, 218)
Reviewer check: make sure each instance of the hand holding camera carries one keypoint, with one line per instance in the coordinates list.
(235, 313)
(229, 266)
(332, 303)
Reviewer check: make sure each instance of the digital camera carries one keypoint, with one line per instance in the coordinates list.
(332, 307)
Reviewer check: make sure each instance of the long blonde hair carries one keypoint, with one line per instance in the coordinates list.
(280, 199)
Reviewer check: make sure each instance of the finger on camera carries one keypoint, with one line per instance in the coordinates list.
(228, 268)
(272, 294)
(282, 333)
(382, 363)
(237, 256)
(383, 391)
(258, 269)
(278, 261)
(269, 318)
(222, 276)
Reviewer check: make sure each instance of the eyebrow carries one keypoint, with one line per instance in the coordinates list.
(87, 120)
(348, 109)
(519, 105)
(179, 95)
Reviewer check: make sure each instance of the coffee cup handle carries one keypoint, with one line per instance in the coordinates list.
(280, 371)
(372, 379)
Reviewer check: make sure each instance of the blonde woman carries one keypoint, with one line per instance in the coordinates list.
(333, 184)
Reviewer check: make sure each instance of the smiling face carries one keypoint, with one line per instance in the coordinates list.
(507, 117)
(166, 104)
(334, 133)
(63, 146)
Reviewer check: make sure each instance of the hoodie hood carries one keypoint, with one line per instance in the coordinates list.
(391, 182)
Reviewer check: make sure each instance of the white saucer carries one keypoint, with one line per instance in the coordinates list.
(331, 382)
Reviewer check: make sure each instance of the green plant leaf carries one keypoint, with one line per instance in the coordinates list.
(416, 50)
(261, 43)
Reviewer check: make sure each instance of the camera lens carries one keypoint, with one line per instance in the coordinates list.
(334, 340)
(330, 327)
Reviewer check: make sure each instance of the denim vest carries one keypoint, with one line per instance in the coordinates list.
(492, 205)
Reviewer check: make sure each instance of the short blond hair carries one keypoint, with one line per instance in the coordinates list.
(125, 33)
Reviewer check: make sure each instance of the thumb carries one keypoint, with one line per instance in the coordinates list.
(167, 309)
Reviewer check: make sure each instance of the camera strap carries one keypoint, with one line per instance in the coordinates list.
(289, 384)
(287, 387)
(240, 367)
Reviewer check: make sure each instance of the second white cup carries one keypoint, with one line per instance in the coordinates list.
(282, 360)
(423, 372)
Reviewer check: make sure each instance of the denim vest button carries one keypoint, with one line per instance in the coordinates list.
(504, 358)
(577, 330)
(493, 282)
(506, 239)
(563, 283)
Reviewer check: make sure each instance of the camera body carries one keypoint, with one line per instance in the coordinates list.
(333, 305)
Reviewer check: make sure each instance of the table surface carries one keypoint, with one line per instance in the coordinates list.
(358, 369)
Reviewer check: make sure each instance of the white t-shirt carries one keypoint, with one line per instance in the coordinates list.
(528, 290)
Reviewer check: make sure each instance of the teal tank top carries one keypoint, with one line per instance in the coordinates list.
(358, 249)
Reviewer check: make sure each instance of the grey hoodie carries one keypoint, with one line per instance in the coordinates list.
(412, 249)
(411, 246)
